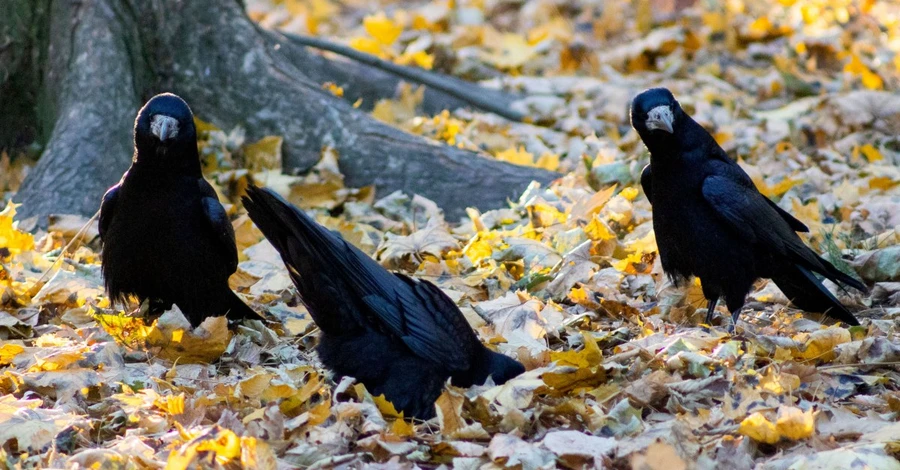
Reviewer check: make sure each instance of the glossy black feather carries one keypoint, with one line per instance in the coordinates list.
(166, 237)
(399, 336)
(712, 222)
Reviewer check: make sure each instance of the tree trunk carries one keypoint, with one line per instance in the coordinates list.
(102, 58)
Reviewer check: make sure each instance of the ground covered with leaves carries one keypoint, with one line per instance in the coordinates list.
(621, 372)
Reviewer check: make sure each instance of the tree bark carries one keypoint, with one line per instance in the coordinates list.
(106, 57)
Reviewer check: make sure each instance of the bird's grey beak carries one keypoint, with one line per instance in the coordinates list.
(164, 127)
(662, 118)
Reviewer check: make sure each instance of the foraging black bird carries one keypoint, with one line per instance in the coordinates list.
(166, 238)
(399, 336)
(712, 222)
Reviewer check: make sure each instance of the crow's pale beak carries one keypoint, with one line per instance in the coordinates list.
(164, 127)
(662, 118)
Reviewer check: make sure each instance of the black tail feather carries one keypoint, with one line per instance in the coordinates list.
(836, 275)
(306, 249)
(806, 292)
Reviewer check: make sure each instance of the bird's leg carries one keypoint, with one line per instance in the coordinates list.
(734, 318)
(710, 309)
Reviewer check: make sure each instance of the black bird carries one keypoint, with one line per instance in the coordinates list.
(399, 336)
(166, 238)
(712, 222)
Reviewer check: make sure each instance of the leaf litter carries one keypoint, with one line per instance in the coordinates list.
(621, 372)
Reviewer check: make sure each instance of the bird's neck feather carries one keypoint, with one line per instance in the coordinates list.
(178, 161)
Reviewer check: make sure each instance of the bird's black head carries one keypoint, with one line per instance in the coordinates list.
(655, 113)
(164, 133)
(503, 368)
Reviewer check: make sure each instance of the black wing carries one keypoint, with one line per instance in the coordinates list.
(795, 224)
(734, 199)
(647, 182)
(219, 223)
(108, 208)
(724, 166)
(320, 261)
(746, 211)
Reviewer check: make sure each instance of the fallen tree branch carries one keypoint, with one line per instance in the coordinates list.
(482, 98)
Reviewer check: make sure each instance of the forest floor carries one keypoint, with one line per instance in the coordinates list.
(621, 371)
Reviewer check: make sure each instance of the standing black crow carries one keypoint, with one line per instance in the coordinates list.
(399, 336)
(712, 222)
(166, 238)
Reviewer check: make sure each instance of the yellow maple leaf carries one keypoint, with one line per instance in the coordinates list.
(11, 238)
(881, 182)
(598, 230)
(760, 26)
(172, 404)
(871, 153)
(225, 444)
(402, 428)
(821, 344)
(387, 409)
(629, 193)
(333, 88)
(779, 383)
(369, 46)
(760, 429)
(508, 50)
(870, 79)
(478, 249)
(622, 265)
(8, 352)
(589, 356)
(516, 155)
(795, 424)
(419, 58)
(382, 28)
(548, 161)
(808, 213)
